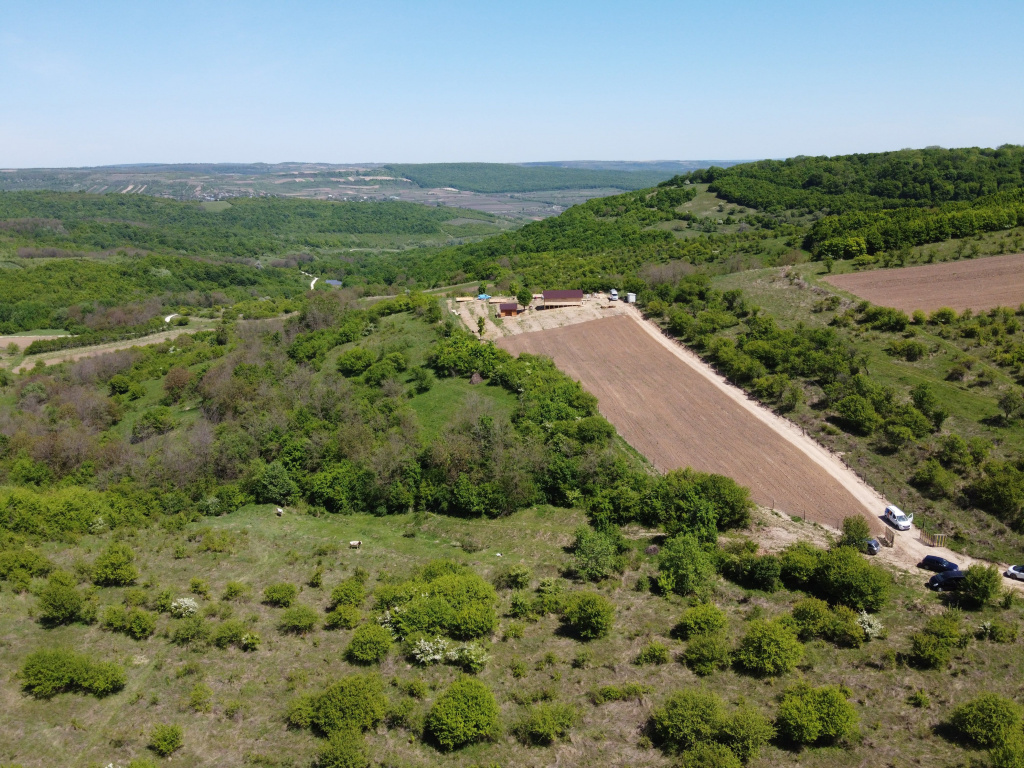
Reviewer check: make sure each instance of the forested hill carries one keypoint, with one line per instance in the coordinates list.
(909, 177)
(501, 177)
(247, 227)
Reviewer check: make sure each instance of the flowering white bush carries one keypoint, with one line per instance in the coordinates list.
(471, 657)
(872, 627)
(183, 607)
(431, 651)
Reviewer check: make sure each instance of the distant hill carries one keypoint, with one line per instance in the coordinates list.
(651, 166)
(501, 177)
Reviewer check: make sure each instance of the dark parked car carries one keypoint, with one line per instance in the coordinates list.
(938, 564)
(950, 581)
(872, 547)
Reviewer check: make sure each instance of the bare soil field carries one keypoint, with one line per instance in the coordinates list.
(675, 410)
(78, 353)
(677, 417)
(594, 308)
(994, 281)
(23, 341)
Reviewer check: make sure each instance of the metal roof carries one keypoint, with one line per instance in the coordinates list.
(573, 295)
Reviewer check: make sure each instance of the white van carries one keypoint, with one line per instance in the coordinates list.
(895, 517)
(613, 295)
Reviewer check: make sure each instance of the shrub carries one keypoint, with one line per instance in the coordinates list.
(342, 750)
(49, 672)
(200, 698)
(354, 703)
(855, 533)
(136, 623)
(199, 587)
(986, 720)
(343, 617)
(230, 632)
(688, 718)
(981, 585)
(349, 592)
(769, 648)
(474, 619)
(627, 692)
(59, 601)
(165, 740)
(233, 590)
(846, 578)
(588, 615)
(684, 565)
(184, 607)
(812, 617)
(708, 755)
(799, 563)
(919, 699)
(706, 653)
(355, 361)
(652, 653)
(299, 619)
(703, 619)
(194, 629)
(464, 713)
(595, 555)
(282, 595)
(746, 732)
(545, 723)
(932, 648)
(369, 644)
(844, 628)
(513, 577)
(815, 715)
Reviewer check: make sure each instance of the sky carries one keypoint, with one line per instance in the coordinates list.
(432, 81)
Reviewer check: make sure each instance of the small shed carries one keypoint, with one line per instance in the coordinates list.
(508, 310)
(571, 298)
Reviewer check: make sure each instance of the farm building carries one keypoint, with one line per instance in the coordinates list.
(572, 298)
(508, 310)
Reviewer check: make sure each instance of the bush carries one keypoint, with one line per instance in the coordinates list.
(685, 567)
(815, 715)
(369, 644)
(355, 361)
(233, 590)
(706, 653)
(342, 750)
(703, 619)
(799, 563)
(47, 673)
(354, 703)
(59, 601)
(545, 723)
(513, 577)
(981, 585)
(474, 619)
(299, 619)
(707, 755)
(194, 629)
(282, 595)
(746, 732)
(652, 653)
(136, 623)
(855, 533)
(932, 648)
(846, 578)
(688, 718)
(114, 568)
(343, 617)
(812, 617)
(349, 592)
(230, 632)
(986, 720)
(466, 712)
(165, 740)
(769, 648)
(595, 555)
(588, 615)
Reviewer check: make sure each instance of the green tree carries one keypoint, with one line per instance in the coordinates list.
(466, 712)
(685, 567)
(856, 533)
(769, 648)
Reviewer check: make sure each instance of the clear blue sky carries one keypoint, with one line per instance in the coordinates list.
(221, 81)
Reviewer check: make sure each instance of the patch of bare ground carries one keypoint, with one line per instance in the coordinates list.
(676, 411)
(995, 281)
(78, 353)
(23, 341)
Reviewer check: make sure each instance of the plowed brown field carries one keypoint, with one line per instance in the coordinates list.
(995, 281)
(677, 416)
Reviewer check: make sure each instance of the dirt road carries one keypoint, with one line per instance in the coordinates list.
(78, 353)
(678, 412)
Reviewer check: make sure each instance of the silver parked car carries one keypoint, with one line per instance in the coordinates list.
(1015, 572)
